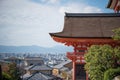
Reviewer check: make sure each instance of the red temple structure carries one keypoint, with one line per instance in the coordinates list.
(83, 30)
(115, 5)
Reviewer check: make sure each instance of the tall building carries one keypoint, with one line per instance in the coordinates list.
(83, 30)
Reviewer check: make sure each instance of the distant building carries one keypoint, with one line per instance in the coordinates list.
(63, 69)
(28, 61)
(38, 68)
(41, 76)
(39, 72)
(14, 60)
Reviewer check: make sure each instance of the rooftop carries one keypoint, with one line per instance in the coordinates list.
(92, 14)
(40, 76)
(89, 25)
(33, 58)
(111, 4)
(61, 65)
(38, 67)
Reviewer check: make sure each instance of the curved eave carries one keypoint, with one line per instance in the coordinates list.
(86, 41)
(59, 36)
(109, 3)
(112, 4)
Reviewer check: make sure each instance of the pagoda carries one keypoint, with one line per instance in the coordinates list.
(83, 30)
(115, 5)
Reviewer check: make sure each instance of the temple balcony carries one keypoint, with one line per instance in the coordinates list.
(78, 57)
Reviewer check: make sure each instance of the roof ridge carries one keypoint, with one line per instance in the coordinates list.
(92, 14)
(32, 66)
(31, 75)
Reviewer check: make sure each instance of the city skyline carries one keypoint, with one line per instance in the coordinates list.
(29, 22)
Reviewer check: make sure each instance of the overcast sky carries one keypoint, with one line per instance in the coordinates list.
(29, 22)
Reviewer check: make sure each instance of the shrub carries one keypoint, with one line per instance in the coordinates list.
(98, 59)
(6, 76)
(111, 73)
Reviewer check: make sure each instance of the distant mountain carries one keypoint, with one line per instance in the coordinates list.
(34, 49)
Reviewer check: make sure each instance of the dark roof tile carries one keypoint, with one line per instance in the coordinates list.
(93, 25)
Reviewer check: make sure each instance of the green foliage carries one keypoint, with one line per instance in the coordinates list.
(117, 52)
(117, 56)
(116, 34)
(111, 73)
(101, 58)
(6, 76)
(14, 71)
(98, 60)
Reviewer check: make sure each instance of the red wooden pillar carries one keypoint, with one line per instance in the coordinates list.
(74, 66)
(86, 75)
(74, 71)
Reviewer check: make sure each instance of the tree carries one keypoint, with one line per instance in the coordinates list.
(116, 34)
(117, 49)
(111, 73)
(14, 71)
(6, 76)
(102, 58)
(98, 59)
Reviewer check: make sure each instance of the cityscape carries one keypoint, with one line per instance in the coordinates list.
(24, 61)
(59, 40)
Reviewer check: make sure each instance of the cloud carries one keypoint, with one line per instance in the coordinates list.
(53, 1)
(24, 22)
(47, 1)
(27, 23)
(79, 8)
(90, 9)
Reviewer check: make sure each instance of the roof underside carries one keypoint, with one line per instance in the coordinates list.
(112, 4)
(93, 25)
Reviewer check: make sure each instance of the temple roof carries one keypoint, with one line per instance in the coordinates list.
(112, 4)
(89, 25)
(92, 14)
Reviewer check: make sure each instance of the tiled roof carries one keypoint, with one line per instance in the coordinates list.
(12, 58)
(61, 65)
(33, 58)
(2, 61)
(38, 67)
(92, 14)
(89, 25)
(25, 76)
(111, 4)
(41, 76)
(29, 67)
